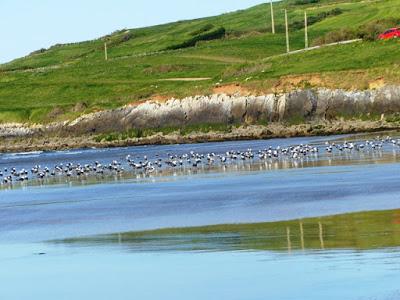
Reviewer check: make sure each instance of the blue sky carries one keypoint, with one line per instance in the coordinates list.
(28, 25)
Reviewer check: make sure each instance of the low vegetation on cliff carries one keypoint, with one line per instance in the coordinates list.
(197, 56)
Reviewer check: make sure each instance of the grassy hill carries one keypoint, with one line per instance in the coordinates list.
(65, 81)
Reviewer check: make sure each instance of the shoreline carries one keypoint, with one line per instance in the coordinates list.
(250, 132)
(215, 118)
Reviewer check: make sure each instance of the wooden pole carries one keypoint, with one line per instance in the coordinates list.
(306, 29)
(321, 236)
(287, 32)
(289, 242)
(105, 51)
(119, 238)
(302, 236)
(272, 18)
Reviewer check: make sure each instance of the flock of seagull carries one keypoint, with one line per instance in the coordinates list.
(190, 160)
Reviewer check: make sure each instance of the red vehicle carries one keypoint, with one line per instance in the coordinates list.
(390, 34)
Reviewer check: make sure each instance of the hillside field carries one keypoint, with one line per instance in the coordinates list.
(195, 56)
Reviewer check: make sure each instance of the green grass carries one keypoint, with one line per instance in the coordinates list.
(394, 118)
(33, 87)
(140, 133)
(366, 55)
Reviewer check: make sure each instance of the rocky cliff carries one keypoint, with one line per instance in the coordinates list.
(301, 106)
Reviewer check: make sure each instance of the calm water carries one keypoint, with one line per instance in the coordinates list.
(326, 227)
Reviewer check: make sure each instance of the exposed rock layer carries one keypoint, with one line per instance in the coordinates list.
(300, 106)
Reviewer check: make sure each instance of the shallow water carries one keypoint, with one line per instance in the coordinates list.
(324, 227)
(113, 274)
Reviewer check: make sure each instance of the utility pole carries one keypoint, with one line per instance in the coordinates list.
(302, 236)
(321, 236)
(306, 29)
(287, 32)
(272, 18)
(289, 242)
(105, 51)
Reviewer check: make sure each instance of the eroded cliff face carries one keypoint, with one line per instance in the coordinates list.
(297, 106)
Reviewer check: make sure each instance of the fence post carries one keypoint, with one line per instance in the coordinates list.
(105, 51)
(272, 18)
(306, 29)
(302, 236)
(287, 32)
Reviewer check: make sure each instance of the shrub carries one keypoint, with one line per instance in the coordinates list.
(318, 18)
(235, 34)
(367, 32)
(115, 41)
(183, 130)
(208, 36)
(203, 29)
(43, 50)
(336, 36)
(126, 37)
(394, 118)
(371, 30)
(304, 2)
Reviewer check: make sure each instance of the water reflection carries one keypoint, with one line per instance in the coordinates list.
(385, 156)
(357, 231)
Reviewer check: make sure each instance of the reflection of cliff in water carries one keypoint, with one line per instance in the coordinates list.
(357, 231)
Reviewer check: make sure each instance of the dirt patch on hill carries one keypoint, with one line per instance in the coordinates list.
(354, 80)
(160, 98)
(377, 84)
(155, 98)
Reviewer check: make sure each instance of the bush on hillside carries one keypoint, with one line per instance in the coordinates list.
(304, 2)
(317, 18)
(371, 30)
(202, 29)
(336, 36)
(367, 32)
(207, 36)
(43, 50)
(237, 34)
(116, 40)
(127, 36)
